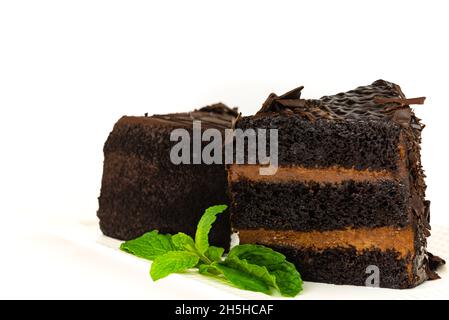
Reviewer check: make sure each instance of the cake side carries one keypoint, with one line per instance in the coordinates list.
(143, 190)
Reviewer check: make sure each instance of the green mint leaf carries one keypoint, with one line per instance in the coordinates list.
(204, 226)
(171, 262)
(149, 246)
(241, 279)
(288, 278)
(208, 270)
(257, 254)
(258, 272)
(214, 253)
(182, 241)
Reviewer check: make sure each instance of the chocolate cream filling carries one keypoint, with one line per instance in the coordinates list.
(383, 238)
(297, 173)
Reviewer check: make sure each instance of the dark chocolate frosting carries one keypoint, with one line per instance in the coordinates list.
(216, 115)
(382, 100)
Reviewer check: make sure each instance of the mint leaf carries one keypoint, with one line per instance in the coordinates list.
(204, 226)
(242, 280)
(288, 278)
(256, 271)
(208, 270)
(149, 246)
(182, 241)
(257, 254)
(171, 262)
(214, 253)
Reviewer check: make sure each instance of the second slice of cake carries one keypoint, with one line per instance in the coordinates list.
(142, 189)
(348, 197)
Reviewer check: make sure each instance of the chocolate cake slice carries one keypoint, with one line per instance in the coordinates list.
(143, 190)
(349, 194)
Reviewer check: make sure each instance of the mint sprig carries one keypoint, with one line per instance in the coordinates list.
(204, 226)
(149, 246)
(171, 262)
(248, 266)
(182, 241)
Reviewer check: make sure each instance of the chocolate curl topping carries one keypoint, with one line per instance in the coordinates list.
(292, 94)
(275, 103)
(401, 101)
(220, 108)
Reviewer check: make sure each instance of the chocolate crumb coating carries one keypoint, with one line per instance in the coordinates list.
(143, 190)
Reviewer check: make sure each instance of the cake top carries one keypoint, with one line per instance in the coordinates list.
(216, 115)
(380, 101)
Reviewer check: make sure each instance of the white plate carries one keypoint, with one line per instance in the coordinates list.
(73, 260)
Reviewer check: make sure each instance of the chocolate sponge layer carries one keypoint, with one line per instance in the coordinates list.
(324, 143)
(142, 190)
(348, 266)
(306, 206)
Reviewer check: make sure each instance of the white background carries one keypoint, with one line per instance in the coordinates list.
(70, 69)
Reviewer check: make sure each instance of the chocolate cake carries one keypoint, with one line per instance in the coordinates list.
(143, 190)
(349, 191)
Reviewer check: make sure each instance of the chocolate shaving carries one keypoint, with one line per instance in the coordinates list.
(433, 275)
(220, 108)
(267, 106)
(401, 101)
(216, 115)
(275, 103)
(427, 211)
(292, 94)
(434, 261)
(403, 116)
(432, 264)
